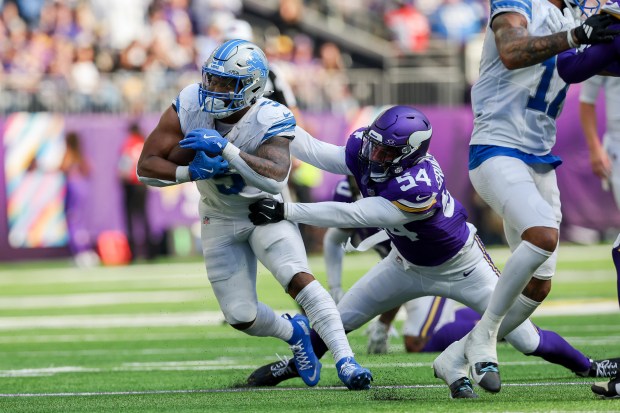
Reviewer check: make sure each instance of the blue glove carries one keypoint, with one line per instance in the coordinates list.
(207, 140)
(204, 167)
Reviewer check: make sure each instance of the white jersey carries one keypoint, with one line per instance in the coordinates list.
(589, 93)
(517, 108)
(228, 195)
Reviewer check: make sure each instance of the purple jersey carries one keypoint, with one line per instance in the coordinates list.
(419, 190)
(343, 193)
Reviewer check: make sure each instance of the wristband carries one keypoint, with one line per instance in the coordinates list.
(230, 151)
(571, 42)
(182, 174)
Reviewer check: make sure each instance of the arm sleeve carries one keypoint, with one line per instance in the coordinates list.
(323, 155)
(252, 178)
(333, 251)
(575, 66)
(366, 213)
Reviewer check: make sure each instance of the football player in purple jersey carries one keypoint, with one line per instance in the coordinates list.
(432, 323)
(435, 251)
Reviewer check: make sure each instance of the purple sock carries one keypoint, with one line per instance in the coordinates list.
(448, 334)
(555, 349)
(615, 255)
(317, 344)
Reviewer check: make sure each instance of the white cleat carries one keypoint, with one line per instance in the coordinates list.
(481, 354)
(378, 334)
(451, 367)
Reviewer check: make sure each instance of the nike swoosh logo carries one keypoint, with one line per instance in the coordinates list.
(269, 207)
(313, 377)
(207, 170)
(466, 273)
(421, 198)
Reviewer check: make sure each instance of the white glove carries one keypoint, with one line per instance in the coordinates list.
(555, 20)
(570, 18)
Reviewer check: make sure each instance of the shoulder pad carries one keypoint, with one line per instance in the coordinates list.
(277, 118)
(188, 99)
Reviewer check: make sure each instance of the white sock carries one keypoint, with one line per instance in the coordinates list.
(518, 271)
(268, 324)
(521, 310)
(325, 318)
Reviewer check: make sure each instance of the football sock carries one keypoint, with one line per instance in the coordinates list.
(325, 318)
(268, 324)
(555, 349)
(615, 255)
(520, 311)
(518, 271)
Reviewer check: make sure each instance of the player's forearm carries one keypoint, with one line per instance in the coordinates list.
(323, 155)
(157, 171)
(587, 115)
(333, 252)
(517, 49)
(264, 174)
(575, 66)
(366, 213)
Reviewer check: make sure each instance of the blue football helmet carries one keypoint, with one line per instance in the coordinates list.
(396, 140)
(233, 78)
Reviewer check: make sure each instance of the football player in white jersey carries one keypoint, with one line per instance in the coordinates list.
(515, 102)
(222, 134)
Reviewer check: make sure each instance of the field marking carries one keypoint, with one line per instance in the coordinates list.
(201, 365)
(97, 299)
(270, 389)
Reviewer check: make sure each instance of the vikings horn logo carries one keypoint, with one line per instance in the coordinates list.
(256, 63)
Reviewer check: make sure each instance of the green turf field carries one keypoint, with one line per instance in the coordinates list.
(149, 337)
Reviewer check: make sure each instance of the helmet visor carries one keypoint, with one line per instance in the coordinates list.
(378, 152)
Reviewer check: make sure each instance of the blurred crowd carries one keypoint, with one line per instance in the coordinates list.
(119, 55)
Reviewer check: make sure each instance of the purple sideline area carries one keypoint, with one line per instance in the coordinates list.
(583, 201)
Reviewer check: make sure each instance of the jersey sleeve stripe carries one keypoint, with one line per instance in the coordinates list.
(522, 6)
(284, 126)
(406, 208)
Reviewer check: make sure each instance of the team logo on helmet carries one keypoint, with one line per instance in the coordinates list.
(256, 63)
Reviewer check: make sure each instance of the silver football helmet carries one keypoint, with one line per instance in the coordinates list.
(233, 77)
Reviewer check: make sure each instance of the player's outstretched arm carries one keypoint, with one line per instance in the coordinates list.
(323, 155)
(161, 155)
(517, 49)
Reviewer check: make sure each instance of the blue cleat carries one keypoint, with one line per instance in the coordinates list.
(307, 363)
(354, 376)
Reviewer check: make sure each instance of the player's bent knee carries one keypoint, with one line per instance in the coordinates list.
(242, 326)
(543, 237)
(299, 282)
(537, 289)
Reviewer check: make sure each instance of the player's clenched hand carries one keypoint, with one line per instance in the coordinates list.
(205, 167)
(207, 140)
(595, 29)
(266, 211)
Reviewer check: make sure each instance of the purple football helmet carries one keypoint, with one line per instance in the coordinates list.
(396, 140)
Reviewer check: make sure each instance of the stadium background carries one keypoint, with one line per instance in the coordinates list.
(94, 67)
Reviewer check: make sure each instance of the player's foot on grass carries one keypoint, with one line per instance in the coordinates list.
(307, 363)
(608, 389)
(273, 374)
(481, 354)
(602, 368)
(354, 376)
(451, 367)
(378, 334)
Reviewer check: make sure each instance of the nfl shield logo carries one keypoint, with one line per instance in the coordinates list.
(205, 220)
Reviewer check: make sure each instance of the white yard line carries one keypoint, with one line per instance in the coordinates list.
(93, 299)
(268, 389)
